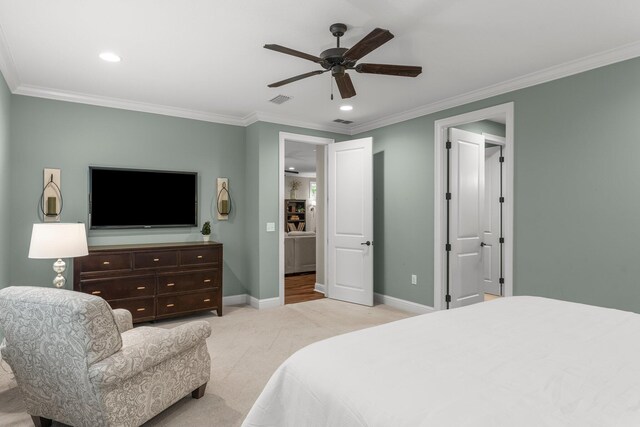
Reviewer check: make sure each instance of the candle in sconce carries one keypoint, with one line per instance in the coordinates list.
(224, 207)
(51, 206)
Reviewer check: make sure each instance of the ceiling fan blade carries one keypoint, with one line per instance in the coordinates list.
(345, 86)
(391, 70)
(371, 41)
(296, 78)
(293, 52)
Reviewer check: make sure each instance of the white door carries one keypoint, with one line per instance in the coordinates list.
(491, 248)
(350, 221)
(466, 223)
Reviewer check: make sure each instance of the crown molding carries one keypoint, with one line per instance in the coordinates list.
(623, 53)
(7, 64)
(272, 118)
(123, 104)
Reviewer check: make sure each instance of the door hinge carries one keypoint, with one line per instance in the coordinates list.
(501, 240)
(447, 196)
(447, 298)
(448, 145)
(501, 159)
(447, 247)
(501, 199)
(501, 280)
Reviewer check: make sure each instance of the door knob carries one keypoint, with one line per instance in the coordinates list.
(483, 244)
(368, 243)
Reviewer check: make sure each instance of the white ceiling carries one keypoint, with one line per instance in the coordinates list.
(301, 156)
(205, 59)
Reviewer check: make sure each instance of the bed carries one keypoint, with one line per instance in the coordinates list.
(518, 361)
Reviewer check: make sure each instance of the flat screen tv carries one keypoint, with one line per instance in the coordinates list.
(139, 198)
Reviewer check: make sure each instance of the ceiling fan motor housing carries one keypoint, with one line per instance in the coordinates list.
(338, 29)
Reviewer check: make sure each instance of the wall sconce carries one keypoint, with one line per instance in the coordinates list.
(51, 201)
(223, 199)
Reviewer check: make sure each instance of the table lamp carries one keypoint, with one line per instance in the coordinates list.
(58, 240)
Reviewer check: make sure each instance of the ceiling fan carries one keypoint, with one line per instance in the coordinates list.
(340, 59)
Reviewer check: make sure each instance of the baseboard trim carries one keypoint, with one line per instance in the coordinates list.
(401, 304)
(235, 299)
(262, 304)
(319, 287)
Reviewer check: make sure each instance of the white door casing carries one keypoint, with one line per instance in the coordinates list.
(506, 113)
(350, 221)
(491, 222)
(466, 171)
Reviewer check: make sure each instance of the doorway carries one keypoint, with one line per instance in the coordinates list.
(302, 217)
(466, 267)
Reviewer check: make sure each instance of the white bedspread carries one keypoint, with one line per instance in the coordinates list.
(519, 361)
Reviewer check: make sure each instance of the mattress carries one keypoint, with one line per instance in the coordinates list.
(518, 361)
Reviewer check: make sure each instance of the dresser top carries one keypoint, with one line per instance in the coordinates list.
(172, 245)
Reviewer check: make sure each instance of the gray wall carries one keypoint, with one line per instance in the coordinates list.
(5, 186)
(577, 198)
(69, 136)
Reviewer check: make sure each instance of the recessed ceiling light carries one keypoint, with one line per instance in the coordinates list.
(346, 107)
(292, 168)
(109, 57)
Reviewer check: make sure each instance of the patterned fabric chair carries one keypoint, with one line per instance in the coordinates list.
(79, 362)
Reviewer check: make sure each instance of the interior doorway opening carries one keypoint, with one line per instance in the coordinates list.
(473, 226)
(302, 215)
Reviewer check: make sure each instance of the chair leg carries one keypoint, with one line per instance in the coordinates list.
(199, 392)
(41, 422)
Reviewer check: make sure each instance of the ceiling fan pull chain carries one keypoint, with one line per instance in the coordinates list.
(331, 80)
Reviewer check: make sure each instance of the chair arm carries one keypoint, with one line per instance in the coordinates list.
(137, 358)
(123, 318)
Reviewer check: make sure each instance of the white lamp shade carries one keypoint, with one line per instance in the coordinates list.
(58, 240)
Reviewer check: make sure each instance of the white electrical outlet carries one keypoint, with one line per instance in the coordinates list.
(271, 226)
(414, 279)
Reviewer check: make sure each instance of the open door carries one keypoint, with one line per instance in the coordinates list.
(466, 231)
(350, 221)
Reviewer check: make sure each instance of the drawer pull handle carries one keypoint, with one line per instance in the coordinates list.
(170, 305)
(96, 292)
(156, 259)
(106, 263)
(141, 309)
(207, 300)
(170, 284)
(141, 288)
(207, 280)
(199, 257)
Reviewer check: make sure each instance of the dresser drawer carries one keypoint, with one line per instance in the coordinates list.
(140, 308)
(170, 304)
(204, 256)
(178, 282)
(155, 259)
(120, 287)
(104, 262)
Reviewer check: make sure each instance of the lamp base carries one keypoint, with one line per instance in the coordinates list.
(59, 266)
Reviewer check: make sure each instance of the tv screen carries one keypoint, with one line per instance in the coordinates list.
(138, 198)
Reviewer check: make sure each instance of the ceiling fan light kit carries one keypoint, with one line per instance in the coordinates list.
(339, 60)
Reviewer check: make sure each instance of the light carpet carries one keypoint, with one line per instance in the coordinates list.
(246, 347)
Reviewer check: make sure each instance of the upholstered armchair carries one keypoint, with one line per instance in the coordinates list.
(79, 362)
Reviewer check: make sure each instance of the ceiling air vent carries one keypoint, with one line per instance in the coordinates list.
(280, 99)
(344, 122)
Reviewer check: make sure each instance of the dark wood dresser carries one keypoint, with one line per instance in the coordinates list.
(154, 281)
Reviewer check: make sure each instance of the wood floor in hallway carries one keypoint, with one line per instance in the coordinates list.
(300, 288)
